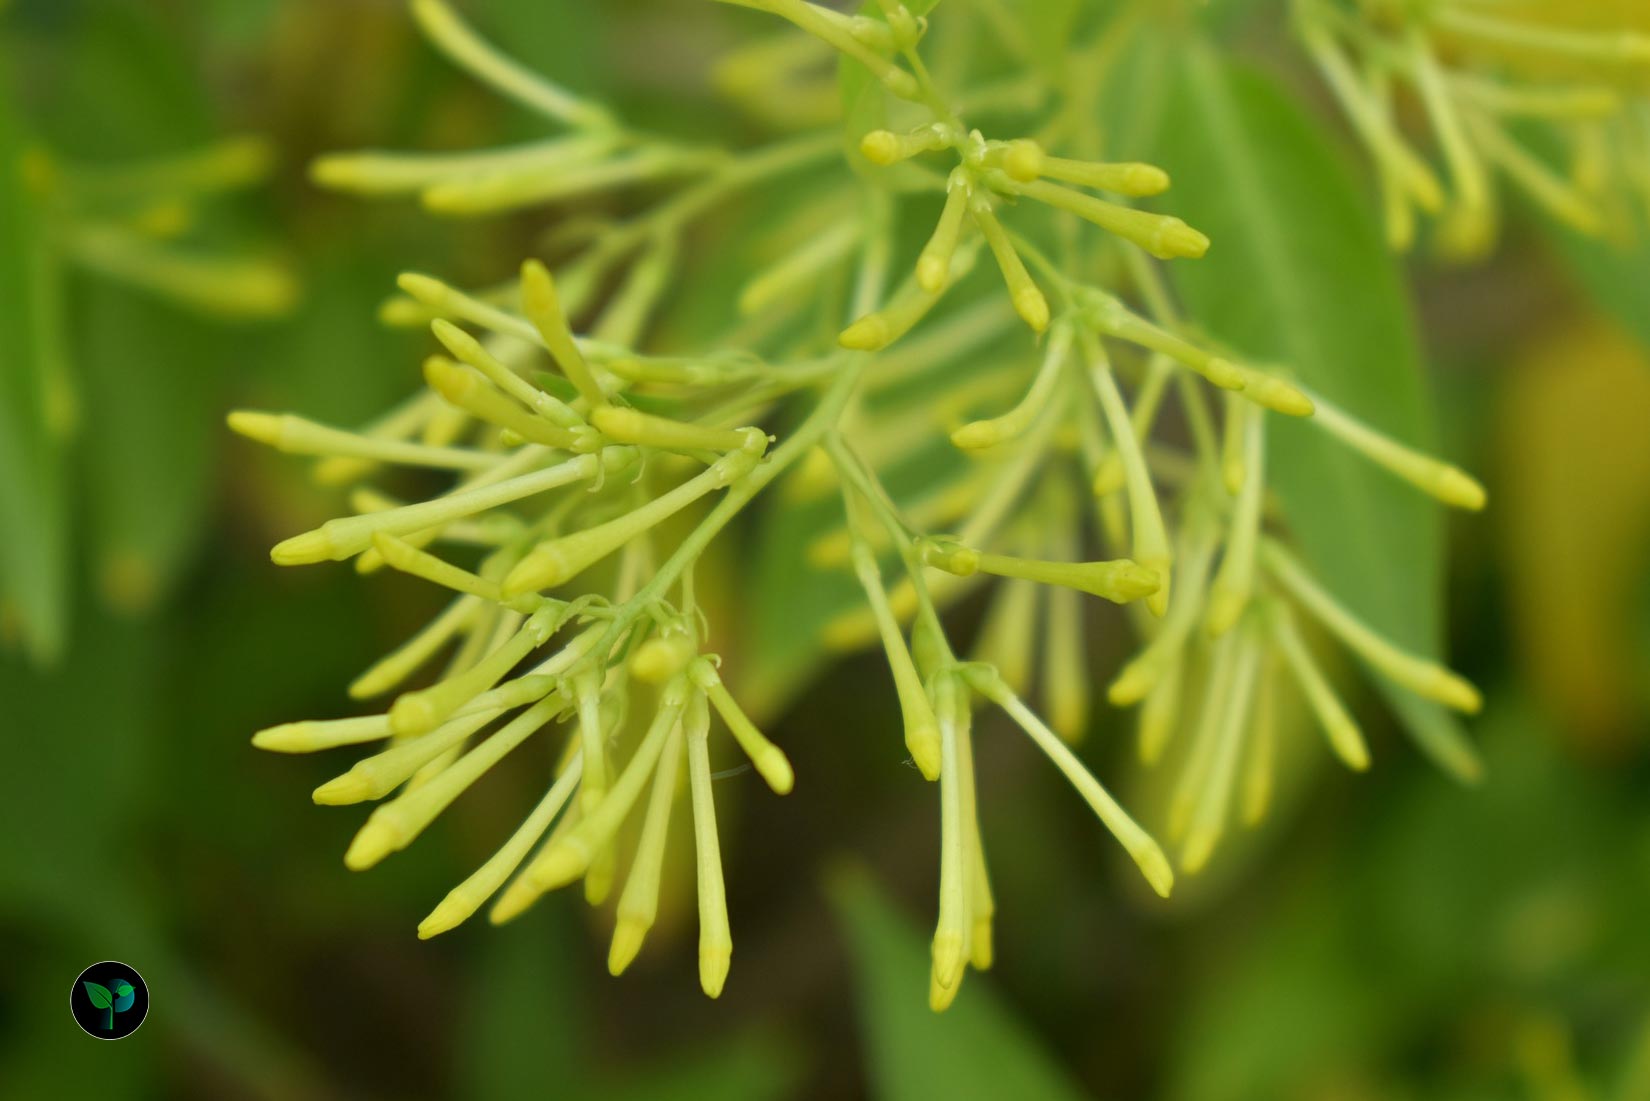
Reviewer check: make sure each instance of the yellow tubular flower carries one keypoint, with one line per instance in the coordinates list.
(715, 941)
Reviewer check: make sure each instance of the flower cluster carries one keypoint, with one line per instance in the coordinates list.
(1484, 76)
(571, 603)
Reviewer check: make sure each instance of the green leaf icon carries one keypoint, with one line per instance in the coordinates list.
(102, 999)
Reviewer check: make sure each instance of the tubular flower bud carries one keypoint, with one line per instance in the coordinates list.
(1119, 581)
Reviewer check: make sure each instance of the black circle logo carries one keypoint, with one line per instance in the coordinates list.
(109, 1000)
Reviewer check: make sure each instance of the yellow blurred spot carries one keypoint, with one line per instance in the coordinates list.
(1576, 478)
(128, 582)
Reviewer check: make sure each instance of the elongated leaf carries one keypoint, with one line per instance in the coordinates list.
(1298, 274)
(99, 995)
(155, 374)
(1048, 26)
(562, 39)
(976, 1049)
(86, 766)
(750, 1066)
(33, 535)
(794, 600)
(125, 86)
(1614, 270)
(524, 1015)
(1616, 278)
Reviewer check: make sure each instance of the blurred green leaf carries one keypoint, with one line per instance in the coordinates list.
(1616, 278)
(753, 1066)
(791, 600)
(975, 1049)
(524, 1016)
(565, 40)
(1613, 270)
(33, 387)
(1049, 24)
(1285, 1013)
(82, 768)
(124, 85)
(239, 23)
(1431, 927)
(332, 359)
(155, 375)
(1298, 274)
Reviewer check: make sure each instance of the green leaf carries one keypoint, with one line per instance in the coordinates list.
(126, 84)
(1614, 272)
(976, 1049)
(1441, 891)
(1298, 275)
(84, 771)
(147, 449)
(790, 600)
(565, 40)
(99, 995)
(33, 392)
(1617, 279)
(749, 1066)
(1049, 25)
(524, 1013)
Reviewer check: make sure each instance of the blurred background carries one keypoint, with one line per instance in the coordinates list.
(1392, 935)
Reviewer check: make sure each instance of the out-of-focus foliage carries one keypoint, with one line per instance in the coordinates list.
(1390, 936)
(32, 556)
(127, 228)
(1577, 526)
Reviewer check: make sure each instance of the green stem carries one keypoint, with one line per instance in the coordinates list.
(741, 493)
(862, 479)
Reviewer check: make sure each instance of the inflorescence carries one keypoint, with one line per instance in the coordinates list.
(1500, 92)
(573, 607)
